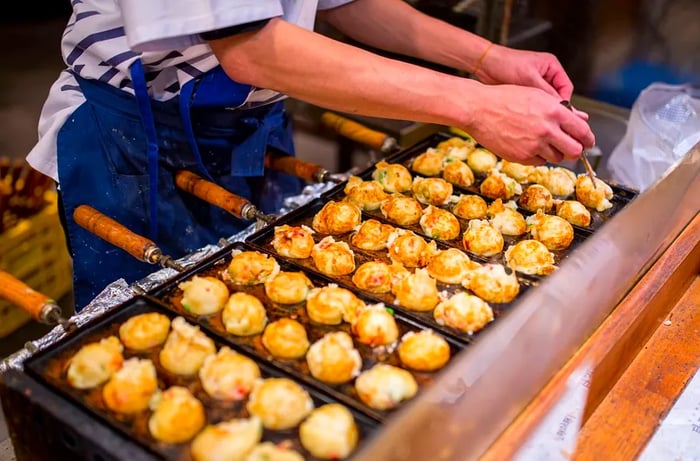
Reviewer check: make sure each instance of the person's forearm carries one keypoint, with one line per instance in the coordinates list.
(395, 26)
(322, 71)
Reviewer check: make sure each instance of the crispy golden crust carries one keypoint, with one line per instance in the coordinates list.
(375, 326)
(428, 163)
(333, 358)
(530, 257)
(417, 291)
(402, 210)
(178, 416)
(280, 403)
(559, 181)
(244, 315)
(323, 443)
(409, 249)
(470, 207)
(228, 440)
(481, 160)
(144, 331)
(497, 185)
(333, 258)
(450, 266)
(491, 283)
(251, 268)
(517, 171)
(228, 375)
(439, 224)
(598, 197)
(367, 195)
(203, 295)
(285, 338)
(268, 451)
(373, 276)
(331, 304)
(372, 235)
(575, 212)
(293, 242)
(130, 389)
(464, 312)
(556, 233)
(458, 173)
(185, 349)
(505, 219)
(456, 147)
(337, 218)
(536, 197)
(384, 386)
(393, 177)
(288, 288)
(431, 191)
(95, 363)
(424, 351)
(482, 238)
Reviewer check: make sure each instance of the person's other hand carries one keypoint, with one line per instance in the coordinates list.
(527, 125)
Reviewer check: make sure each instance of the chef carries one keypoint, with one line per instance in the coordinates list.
(152, 87)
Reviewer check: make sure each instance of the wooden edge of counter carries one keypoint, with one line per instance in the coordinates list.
(616, 342)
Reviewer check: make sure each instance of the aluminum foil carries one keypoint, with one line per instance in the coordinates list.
(120, 291)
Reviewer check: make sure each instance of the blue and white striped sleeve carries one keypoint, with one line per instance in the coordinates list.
(328, 4)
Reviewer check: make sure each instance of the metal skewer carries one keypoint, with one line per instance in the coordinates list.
(584, 152)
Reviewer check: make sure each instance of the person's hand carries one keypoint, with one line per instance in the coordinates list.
(527, 125)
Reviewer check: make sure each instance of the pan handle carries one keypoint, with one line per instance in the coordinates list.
(360, 133)
(18, 293)
(307, 171)
(110, 230)
(216, 195)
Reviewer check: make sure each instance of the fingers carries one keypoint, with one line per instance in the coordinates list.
(557, 78)
(577, 128)
(580, 114)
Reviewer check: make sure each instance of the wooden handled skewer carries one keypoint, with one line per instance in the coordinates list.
(360, 133)
(307, 171)
(39, 306)
(111, 231)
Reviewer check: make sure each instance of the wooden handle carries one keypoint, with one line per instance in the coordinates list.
(287, 164)
(212, 193)
(355, 131)
(110, 230)
(21, 295)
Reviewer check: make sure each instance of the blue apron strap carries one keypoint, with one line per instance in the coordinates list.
(186, 92)
(144, 103)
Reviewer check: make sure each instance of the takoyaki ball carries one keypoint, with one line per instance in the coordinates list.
(597, 197)
(337, 218)
(333, 258)
(285, 338)
(497, 185)
(332, 304)
(244, 315)
(288, 288)
(517, 171)
(280, 403)
(228, 375)
(372, 235)
(375, 326)
(431, 191)
(377, 276)
(481, 160)
(556, 233)
(506, 219)
(323, 443)
(536, 197)
(95, 363)
(144, 331)
(492, 283)
(424, 350)
(429, 163)
(333, 359)
(130, 389)
(458, 173)
(293, 241)
(227, 441)
(203, 295)
(575, 212)
(470, 207)
(392, 176)
(450, 266)
(417, 291)
(530, 257)
(367, 195)
(402, 210)
(456, 147)
(268, 451)
(383, 386)
(185, 349)
(251, 268)
(560, 181)
(464, 312)
(439, 224)
(409, 249)
(482, 238)
(177, 416)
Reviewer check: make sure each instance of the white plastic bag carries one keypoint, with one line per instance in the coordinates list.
(664, 125)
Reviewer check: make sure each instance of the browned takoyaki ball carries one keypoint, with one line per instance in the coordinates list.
(456, 147)
(507, 220)
(375, 326)
(536, 197)
(144, 331)
(559, 181)
(464, 312)
(333, 359)
(251, 267)
(333, 258)
(439, 224)
(367, 195)
(244, 315)
(285, 338)
(482, 238)
(556, 233)
(227, 440)
(530, 257)
(417, 291)
(203, 295)
(470, 206)
(428, 163)
(280, 403)
(323, 443)
(228, 375)
(458, 173)
(268, 451)
(337, 218)
(492, 283)
(332, 304)
(409, 249)
(481, 160)
(384, 386)
(392, 176)
(288, 287)
(293, 241)
(450, 266)
(374, 276)
(575, 212)
(177, 416)
(185, 349)
(424, 350)
(517, 171)
(130, 389)
(597, 197)
(402, 210)
(497, 185)
(372, 235)
(431, 191)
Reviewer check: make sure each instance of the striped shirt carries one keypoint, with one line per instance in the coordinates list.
(104, 37)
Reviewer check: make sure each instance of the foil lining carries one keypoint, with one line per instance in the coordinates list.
(120, 291)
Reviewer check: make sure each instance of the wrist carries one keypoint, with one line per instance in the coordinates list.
(464, 104)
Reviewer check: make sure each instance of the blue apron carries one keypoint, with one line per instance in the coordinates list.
(118, 153)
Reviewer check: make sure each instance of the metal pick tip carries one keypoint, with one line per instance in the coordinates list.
(266, 218)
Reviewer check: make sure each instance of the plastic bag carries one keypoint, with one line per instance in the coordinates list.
(664, 125)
